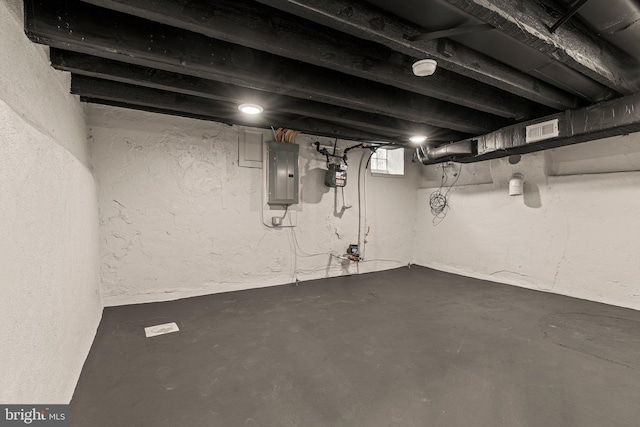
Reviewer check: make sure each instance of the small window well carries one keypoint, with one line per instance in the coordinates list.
(388, 162)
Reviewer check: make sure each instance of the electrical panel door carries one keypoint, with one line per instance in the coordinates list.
(283, 173)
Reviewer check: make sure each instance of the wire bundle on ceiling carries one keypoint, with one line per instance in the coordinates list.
(285, 135)
(438, 201)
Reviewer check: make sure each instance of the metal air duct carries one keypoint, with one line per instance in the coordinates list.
(428, 155)
(616, 21)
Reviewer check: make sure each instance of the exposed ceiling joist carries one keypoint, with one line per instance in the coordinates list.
(107, 34)
(192, 106)
(568, 14)
(360, 20)
(256, 26)
(88, 69)
(528, 21)
(342, 68)
(451, 32)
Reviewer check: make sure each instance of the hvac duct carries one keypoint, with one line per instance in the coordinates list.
(616, 117)
(428, 155)
(616, 21)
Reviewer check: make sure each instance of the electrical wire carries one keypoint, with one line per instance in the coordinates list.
(332, 267)
(304, 254)
(344, 203)
(294, 247)
(284, 135)
(438, 201)
(385, 260)
(282, 217)
(294, 273)
(362, 194)
(337, 267)
(360, 202)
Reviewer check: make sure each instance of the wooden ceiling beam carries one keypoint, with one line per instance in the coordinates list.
(260, 27)
(87, 29)
(529, 22)
(100, 68)
(364, 21)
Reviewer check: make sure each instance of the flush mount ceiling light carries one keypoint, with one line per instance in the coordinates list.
(424, 67)
(250, 108)
(418, 139)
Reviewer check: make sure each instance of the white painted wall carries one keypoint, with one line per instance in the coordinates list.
(576, 230)
(49, 272)
(179, 217)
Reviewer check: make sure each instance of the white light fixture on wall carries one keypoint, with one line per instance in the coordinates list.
(250, 108)
(516, 185)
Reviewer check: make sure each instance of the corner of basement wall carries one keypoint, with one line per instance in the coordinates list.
(49, 268)
(573, 232)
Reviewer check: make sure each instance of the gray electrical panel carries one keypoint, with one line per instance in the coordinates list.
(283, 173)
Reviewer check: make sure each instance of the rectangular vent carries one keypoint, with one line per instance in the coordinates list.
(541, 131)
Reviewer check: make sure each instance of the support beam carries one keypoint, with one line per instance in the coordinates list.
(259, 27)
(99, 68)
(119, 94)
(113, 35)
(360, 20)
(529, 22)
(305, 125)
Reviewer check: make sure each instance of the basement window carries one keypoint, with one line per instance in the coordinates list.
(388, 162)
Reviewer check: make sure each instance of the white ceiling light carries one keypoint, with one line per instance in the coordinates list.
(418, 139)
(250, 108)
(424, 67)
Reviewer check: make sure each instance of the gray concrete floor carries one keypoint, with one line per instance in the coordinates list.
(407, 347)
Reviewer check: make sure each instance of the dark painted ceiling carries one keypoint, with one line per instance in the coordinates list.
(343, 68)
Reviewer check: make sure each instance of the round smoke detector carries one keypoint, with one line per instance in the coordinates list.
(424, 67)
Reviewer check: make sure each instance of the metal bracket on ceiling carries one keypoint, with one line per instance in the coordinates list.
(451, 32)
(572, 11)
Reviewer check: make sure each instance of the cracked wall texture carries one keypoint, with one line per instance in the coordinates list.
(574, 232)
(179, 217)
(49, 271)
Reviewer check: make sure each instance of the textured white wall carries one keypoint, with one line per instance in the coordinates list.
(179, 217)
(574, 232)
(49, 272)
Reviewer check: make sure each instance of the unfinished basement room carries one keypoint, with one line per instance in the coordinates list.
(320, 213)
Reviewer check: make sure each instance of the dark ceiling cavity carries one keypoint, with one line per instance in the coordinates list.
(342, 68)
